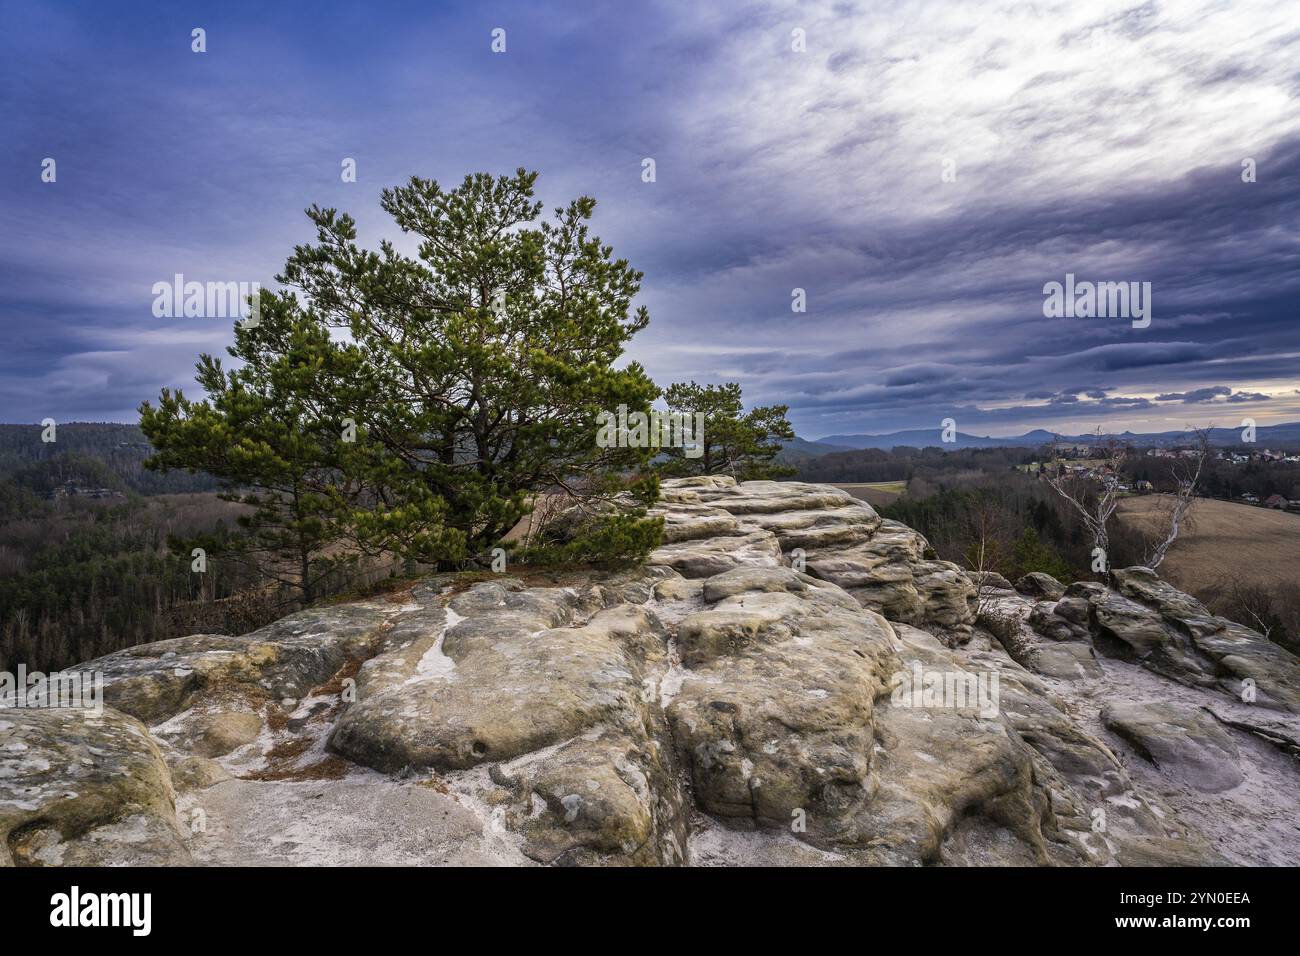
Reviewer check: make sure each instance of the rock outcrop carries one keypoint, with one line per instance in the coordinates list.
(790, 680)
(885, 565)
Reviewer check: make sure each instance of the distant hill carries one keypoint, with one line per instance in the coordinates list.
(926, 437)
(88, 454)
(800, 449)
(1286, 435)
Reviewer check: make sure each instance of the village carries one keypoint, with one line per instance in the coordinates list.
(1094, 463)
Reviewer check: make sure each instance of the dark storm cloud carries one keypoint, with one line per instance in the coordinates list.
(1197, 395)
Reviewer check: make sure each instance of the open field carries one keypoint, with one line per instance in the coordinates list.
(875, 493)
(1227, 538)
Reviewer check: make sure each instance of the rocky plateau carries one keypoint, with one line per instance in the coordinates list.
(790, 680)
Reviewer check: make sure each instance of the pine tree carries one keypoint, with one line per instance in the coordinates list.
(481, 364)
(734, 442)
(422, 405)
(260, 432)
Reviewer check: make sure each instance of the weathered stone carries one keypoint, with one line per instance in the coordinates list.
(601, 797)
(1040, 585)
(214, 733)
(87, 790)
(688, 522)
(1184, 742)
(502, 684)
(153, 682)
(891, 574)
(717, 706)
(990, 581)
(709, 556)
(781, 720)
(1066, 653)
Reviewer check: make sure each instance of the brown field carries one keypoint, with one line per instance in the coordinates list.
(1226, 539)
(876, 493)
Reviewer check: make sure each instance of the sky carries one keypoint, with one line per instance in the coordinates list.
(922, 171)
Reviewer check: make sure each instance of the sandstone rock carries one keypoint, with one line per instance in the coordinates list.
(885, 565)
(679, 589)
(990, 581)
(1282, 731)
(748, 697)
(1214, 648)
(889, 573)
(689, 522)
(1063, 620)
(153, 682)
(705, 557)
(1039, 640)
(1075, 777)
(1174, 635)
(755, 498)
(1040, 585)
(597, 798)
(85, 790)
(502, 682)
(1186, 743)
(215, 733)
(196, 773)
(553, 688)
(360, 820)
(779, 719)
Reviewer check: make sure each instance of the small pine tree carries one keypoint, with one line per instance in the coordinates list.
(1030, 553)
(734, 442)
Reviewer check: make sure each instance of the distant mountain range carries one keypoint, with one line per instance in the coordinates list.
(800, 449)
(1285, 434)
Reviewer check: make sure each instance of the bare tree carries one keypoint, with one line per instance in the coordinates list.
(1186, 473)
(988, 529)
(1092, 494)
(1247, 602)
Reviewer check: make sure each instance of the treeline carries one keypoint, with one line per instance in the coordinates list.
(1011, 526)
(904, 463)
(934, 468)
(1223, 479)
(92, 455)
(82, 578)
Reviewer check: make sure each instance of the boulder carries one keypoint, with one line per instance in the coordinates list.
(1186, 743)
(153, 682)
(84, 789)
(989, 581)
(1037, 584)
